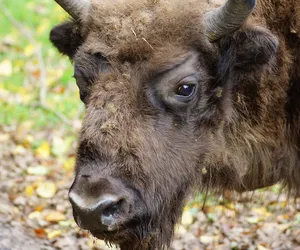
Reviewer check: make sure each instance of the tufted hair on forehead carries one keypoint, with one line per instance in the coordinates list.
(134, 29)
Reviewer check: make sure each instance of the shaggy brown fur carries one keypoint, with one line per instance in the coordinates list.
(240, 132)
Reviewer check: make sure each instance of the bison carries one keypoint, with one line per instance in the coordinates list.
(180, 96)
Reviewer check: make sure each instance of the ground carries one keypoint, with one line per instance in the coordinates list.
(35, 212)
(40, 116)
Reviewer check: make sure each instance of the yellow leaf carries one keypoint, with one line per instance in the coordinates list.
(65, 223)
(208, 239)
(261, 211)
(181, 230)
(44, 26)
(59, 147)
(218, 209)
(260, 247)
(69, 164)
(39, 208)
(253, 219)
(29, 190)
(230, 206)
(22, 131)
(54, 234)
(187, 218)
(38, 170)
(59, 13)
(27, 141)
(55, 216)
(43, 150)
(6, 68)
(4, 138)
(29, 50)
(46, 189)
(18, 65)
(34, 215)
(19, 150)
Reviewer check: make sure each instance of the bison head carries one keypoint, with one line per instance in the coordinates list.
(157, 80)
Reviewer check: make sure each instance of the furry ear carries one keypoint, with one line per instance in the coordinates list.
(243, 57)
(66, 38)
(248, 49)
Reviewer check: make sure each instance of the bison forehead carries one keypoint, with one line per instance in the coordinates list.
(138, 27)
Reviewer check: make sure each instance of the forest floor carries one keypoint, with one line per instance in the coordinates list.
(35, 212)
(40, 116)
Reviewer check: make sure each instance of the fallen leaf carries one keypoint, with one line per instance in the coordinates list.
(36, 73)
(187, 218)
(40, 232)
(22, 131)
(19, 150)
(284, 227)
(54, 234)
(28, 141)
(6, 68)
(43, 150)
(4, 138)
(261, 211)
(230, 206)
(5, 209)
(180, 230)
(253, 219)
(38, 170)
(54, 216)
(69, 164)
(29, 50)
(207, 239)
(65, 223)
(34, 215)
(44, 26)
(59, 147)
(46, 189)
(29, 191)
(260, 247)
(39, 208)
(234, 245)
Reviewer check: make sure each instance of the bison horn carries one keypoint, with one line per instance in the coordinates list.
(74, 7)
(227, 18)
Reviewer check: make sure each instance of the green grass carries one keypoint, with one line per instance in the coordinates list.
(20, 87)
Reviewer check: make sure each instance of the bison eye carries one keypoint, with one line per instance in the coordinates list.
(186, 90)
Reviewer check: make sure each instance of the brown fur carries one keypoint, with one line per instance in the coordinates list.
(241, 133)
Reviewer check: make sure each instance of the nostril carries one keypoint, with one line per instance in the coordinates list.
(110, 212)
(112, 208)
(85, 176)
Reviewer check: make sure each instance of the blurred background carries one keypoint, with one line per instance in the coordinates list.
(40, 116)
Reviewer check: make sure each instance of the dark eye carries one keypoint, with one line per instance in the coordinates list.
(185, 90)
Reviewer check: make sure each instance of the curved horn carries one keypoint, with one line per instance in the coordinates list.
(74, 7)
(227, 18)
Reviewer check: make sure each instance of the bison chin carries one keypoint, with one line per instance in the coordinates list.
(141, 233)
(119, 213)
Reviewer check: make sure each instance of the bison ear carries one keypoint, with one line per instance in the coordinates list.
(66, 38)
(248, 49)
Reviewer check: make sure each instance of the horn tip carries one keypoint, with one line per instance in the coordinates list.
(249, 3)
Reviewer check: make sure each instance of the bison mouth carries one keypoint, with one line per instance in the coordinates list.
(133, 232)
(127, 230)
